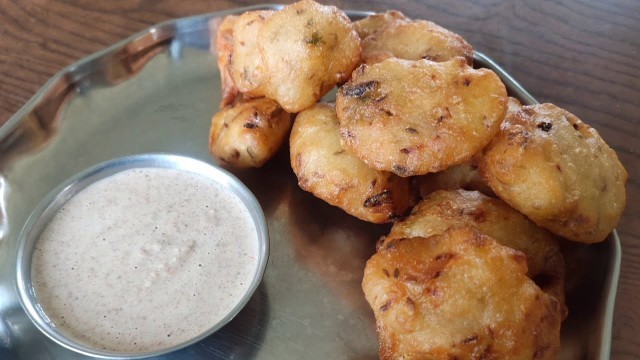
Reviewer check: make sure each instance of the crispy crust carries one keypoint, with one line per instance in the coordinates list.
(450, 208)
(307, 49)
(415, 40)
(372, 23)
(249, 132)
(459, 295)
(552, 167)
(417, 117)
(334, 175)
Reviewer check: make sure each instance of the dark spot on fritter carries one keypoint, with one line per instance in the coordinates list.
(236, 154)
(359, 90)
(576, 126)
(378, 199)
(558, 167)
(347, 134)
(250, 125)
(339, 152)
(410, 303)
(471, 338)
(386, 306)
(396, 273)
(401, 170)
(385, 272)
(545, 126)
(466, 82)
(315, 39)
(445, 256)
(405, 150)
(380, 98)
(411, 130)
(251, 154)
(394, 216)
(437, 274)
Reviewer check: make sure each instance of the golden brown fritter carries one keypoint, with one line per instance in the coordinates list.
(375, 22)
(249, 132)
(450, 208)
(334, 175)
(465, 175)
(557, 170)
(247, 66)
(224, 50)
(307, 49)
(459, 295)
(415, 40)
(417, 117)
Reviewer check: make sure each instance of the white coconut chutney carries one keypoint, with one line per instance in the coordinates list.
(144, 260)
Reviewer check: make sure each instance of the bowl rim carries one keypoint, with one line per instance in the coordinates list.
(55, 199)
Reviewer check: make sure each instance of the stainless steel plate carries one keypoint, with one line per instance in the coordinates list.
(156, 92)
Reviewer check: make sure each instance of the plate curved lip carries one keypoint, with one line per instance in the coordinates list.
(613, 272)
(96, 56)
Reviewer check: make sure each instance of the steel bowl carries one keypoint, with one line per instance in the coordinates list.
(50, 205)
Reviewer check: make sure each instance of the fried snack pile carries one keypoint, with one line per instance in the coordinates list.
(463, 274)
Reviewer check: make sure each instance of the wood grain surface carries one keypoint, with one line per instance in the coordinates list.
(578, 54)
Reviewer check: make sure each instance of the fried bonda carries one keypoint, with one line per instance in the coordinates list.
(549, 165)
(415, 40)
(459, 295)
(324, 168)
(417, 117)
(307, 49)
(449, 208)
(249, 132)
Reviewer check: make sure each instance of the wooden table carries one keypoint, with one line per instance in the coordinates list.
(580, 55)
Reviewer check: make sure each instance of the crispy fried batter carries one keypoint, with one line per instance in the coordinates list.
(415, 40)
(247, 67)
(558, 171)
(224, 49)
(465, 175)
(307, 49)
(416, 117)
(248, 133)
(459, 295)
(334, 175)
(450, 208)
(375, 22)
